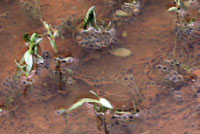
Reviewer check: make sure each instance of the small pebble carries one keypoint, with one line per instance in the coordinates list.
(121, 52)
(124, 34)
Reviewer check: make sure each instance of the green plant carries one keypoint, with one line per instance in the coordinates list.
(128, 9)
(52, 35)
(100, 104)
(31, 56)
(180, 9)
(90, 19)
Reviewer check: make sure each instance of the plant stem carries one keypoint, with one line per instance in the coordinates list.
(58, 65)
(104, 124)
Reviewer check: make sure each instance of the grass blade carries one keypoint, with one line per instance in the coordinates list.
(81, 102)
(53, 44)
(90, 18)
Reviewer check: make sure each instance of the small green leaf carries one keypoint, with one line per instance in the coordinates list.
(29, 61)
(104, 102)
(20, 66)
(81, 102)
(34, 37)
(53, 44)
(47, 26)
(38, 40)
(27, 37)
(35, 51)
(171, 9)
(22, 60)
(40, 59)
(90, 19)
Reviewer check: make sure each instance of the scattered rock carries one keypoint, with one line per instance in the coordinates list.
(124, 34)
(121, 52)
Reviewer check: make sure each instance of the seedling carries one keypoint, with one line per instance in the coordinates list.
(100, 104)
(90, 19)
(31, 56)
(52, 35)
(128, 9)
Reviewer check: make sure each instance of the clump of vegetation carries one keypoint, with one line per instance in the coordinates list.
(187, 30)
(94, 36)
(91, 34)
(174, 74)
(129, 8)
(187, 25)
(35, 57)
(31, 56)
(126, 12)
(52, 35)
(101, 106)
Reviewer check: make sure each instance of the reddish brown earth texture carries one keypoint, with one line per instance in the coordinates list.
(124, 81)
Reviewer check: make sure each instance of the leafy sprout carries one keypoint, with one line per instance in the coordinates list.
(52, 35)
(31, 56)
(90, 19)
(179, 5)
(100, 105)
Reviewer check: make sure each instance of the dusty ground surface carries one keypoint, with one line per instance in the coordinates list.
(150, 36)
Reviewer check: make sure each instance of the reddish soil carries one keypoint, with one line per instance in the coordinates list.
(150, 35)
